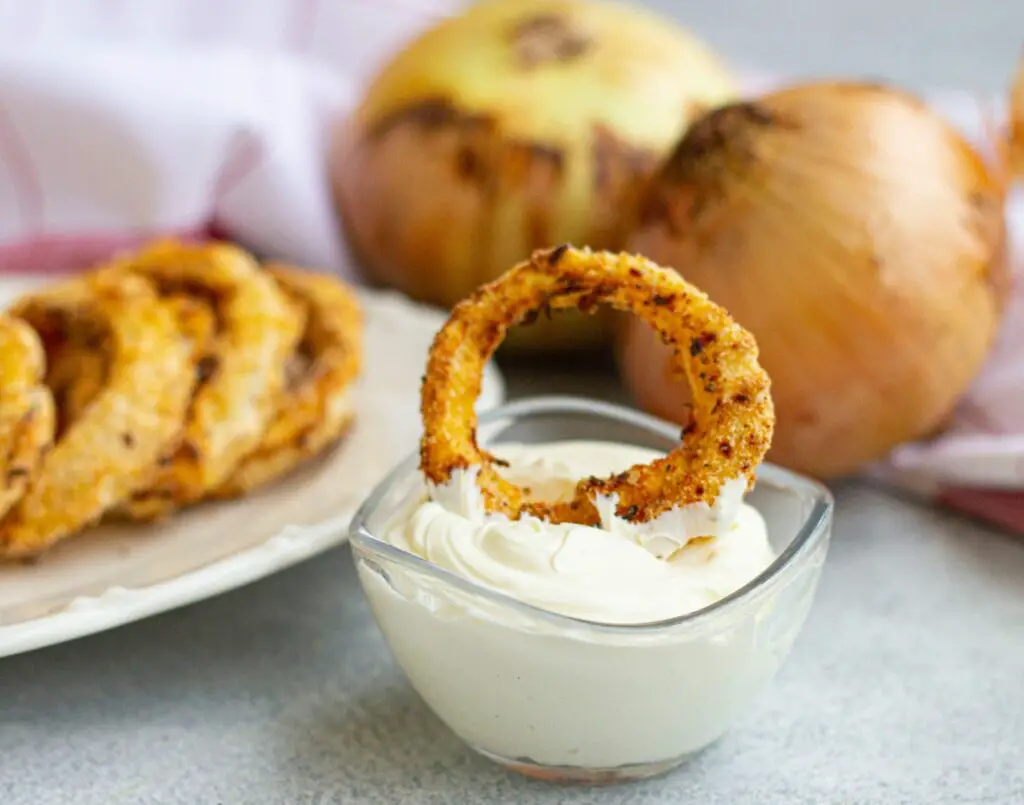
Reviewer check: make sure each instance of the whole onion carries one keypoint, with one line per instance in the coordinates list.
(859, 237)
(513, 126)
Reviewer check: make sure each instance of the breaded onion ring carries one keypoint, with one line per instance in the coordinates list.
(239, 381)
(78, 370)
(315, 410)
(733, 418)
(112, 446)
(26, 409)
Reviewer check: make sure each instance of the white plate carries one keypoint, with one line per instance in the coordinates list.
(115, 574)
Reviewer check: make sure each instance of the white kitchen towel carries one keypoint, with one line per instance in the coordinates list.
(122, 120)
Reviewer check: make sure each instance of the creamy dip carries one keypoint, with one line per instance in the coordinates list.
(620, 572)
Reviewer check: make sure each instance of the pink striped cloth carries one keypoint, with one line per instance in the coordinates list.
(122, 120)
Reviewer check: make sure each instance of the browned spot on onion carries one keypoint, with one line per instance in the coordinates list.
(467, 164)
(546, 38)
(428, 113)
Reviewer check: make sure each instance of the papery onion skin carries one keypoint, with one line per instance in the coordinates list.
(1017, 122)
(511, 127)
(859, 238)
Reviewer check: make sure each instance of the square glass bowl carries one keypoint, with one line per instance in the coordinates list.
(573, 700)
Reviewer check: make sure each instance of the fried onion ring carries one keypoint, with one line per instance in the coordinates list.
(26, 409)
(733, 418)
(239, 380)
(105, 454)
(78, 370)
(315, 410)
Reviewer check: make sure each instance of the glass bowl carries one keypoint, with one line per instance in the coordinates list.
(566, 699)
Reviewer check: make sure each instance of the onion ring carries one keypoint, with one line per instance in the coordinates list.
(732, 418)
(78, 370)
(113, 445)
(315, 411)
(238, 382)
(27, 417)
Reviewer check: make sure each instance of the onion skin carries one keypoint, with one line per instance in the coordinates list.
(515, 126)
(1017, 123)
(859, 238)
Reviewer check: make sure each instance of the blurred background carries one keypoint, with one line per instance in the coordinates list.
(917, 43)
(219, 119)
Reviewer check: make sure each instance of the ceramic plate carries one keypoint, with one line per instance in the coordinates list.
(115, 574)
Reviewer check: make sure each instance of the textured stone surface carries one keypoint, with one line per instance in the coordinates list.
(905, 687)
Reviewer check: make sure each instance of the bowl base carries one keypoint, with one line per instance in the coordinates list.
(579, 775)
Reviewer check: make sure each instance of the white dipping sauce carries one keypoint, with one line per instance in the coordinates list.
(521, 686)
(618, 573)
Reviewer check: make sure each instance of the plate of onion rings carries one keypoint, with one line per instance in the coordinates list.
(183, 421)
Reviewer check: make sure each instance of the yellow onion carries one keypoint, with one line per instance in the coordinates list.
(514, 126)
(861, 240)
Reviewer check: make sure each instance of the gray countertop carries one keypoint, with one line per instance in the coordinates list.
(906, 687)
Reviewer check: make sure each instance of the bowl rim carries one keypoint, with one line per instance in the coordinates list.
(809, 535)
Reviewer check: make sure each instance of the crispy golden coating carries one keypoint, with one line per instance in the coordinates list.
(197, 322)
(103, 455)
(315, 410)
(733, 418)
(239, 380)
(78, 369)
(78, 372)
(26, 409)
